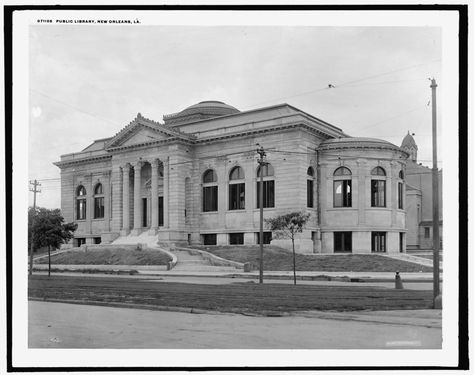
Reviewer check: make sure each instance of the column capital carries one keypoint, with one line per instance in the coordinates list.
(125, 167)
(155, 163)
(137, 164)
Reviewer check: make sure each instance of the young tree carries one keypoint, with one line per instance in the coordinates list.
(47, 228)
(287, 226)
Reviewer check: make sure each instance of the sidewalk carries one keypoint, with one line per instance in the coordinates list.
(220, 272)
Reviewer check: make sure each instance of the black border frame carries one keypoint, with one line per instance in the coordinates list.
(461, 9)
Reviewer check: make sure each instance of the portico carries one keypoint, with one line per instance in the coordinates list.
(142, 185)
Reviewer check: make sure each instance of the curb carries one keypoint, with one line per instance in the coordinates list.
(319, 314)
(190, 310)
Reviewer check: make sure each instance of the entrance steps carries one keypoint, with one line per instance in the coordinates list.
(196, 263)
(143, 238)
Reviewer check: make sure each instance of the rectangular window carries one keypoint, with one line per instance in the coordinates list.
(378, 242)
(268, 194)
(400, 195)
(378, 193)
(209, 239)
(209, 198)
(427, 232)
(309, 193)
(342, 193)
(267, 238)
(237, 196)
(81, 209)
(236, 238)
(80, 242)
(342, 242)
(97, 240)
(401, 242)
(98, 208)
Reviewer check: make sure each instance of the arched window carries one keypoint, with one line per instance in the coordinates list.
(342, 187)
(268, 186)
(342, 171)
(98, 202)
(98, 189)
(267, 170)
(209, 176)
(378, 171)
(236, 189)
(378, 187)
(81, 191)
(401, 175)
(81, 203)
(209, 191)
(310, 187)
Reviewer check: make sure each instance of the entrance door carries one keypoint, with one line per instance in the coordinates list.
(160, 211)
(378, 242)
(145, 213)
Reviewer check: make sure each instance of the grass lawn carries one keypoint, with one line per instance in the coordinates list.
(238, 298)
(277, 259)
(114, 257)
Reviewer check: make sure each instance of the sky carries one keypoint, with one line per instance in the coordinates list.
(88, 82)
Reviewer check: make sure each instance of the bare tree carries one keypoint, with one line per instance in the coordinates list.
(287, 226)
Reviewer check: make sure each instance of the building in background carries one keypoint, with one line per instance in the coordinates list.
(419, 196)
(194, 179)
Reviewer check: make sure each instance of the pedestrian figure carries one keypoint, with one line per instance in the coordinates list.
(398, 281)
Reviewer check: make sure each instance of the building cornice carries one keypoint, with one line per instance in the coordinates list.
(138, 146)
(362, 145)
(86, 160)
(306, 125)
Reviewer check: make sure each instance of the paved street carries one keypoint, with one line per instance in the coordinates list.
(60, 325)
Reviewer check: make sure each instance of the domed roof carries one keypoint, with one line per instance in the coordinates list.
(213, 104)
(409, 142)
(200, 111)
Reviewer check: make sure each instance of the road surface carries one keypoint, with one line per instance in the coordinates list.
(62, 325)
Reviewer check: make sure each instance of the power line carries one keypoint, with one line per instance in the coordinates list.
(75, 108)
(331, 86)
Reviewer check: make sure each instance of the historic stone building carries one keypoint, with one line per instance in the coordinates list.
(193, 179)
(419, 196)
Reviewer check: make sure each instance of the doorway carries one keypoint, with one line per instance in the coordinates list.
(144, 213)
(160, 211)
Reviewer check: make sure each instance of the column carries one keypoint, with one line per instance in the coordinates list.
(126, 198)
(166, 181)
(137, 204)
(154, 195)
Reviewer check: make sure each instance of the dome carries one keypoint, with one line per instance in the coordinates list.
(409, 142)
(200, 111)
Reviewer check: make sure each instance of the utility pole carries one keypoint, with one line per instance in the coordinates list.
(262, 163)
(436, 290)
(35, 190)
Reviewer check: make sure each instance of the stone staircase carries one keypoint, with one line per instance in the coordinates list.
(186, 261)
(143, 238)
(196, 263)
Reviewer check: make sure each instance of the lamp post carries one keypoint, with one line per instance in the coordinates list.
(262, 163)
(436, 289)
